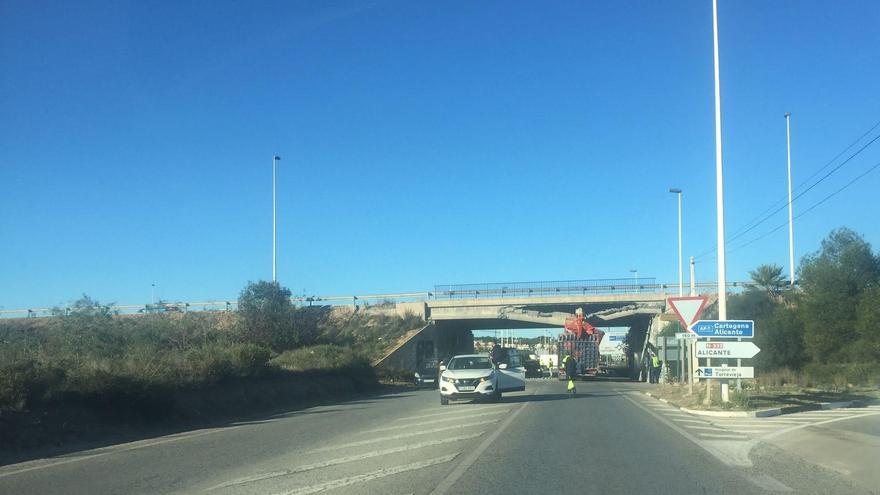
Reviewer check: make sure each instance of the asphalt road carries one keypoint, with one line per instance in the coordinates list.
(609, 439)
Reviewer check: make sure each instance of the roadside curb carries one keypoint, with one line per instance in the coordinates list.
(775, 411)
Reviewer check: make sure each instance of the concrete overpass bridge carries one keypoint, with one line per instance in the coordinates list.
(454, 312)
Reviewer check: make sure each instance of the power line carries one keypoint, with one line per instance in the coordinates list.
(780, 208)
(784, 198)
(811, 208)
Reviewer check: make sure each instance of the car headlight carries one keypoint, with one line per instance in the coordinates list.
(447, 379)
(487, 377)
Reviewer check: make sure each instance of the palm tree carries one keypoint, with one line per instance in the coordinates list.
(768, 278)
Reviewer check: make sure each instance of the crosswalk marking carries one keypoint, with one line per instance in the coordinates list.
(379, 473)
(342, 460)
(404, 435)
(723, 435)
(435, 421)
(454, 411)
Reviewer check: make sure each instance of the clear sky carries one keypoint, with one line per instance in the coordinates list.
(423, 142)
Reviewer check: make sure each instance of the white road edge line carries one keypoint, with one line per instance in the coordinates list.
(342, 460)
(402, 435)
(380, 473)
(723, 457)
(114, 449)
(475, 454)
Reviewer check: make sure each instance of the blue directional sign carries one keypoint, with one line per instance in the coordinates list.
(744, 329)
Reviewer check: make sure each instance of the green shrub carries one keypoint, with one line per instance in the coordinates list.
(322, 357)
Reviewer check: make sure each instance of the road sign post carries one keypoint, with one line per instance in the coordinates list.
(688, 310)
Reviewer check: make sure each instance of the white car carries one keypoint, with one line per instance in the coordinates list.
(471, 376)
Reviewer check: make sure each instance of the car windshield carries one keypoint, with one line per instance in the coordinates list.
(470, 363)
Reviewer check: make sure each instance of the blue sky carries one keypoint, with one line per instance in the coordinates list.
(423, 143)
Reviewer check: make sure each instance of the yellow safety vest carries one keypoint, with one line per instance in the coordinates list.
(655, 361)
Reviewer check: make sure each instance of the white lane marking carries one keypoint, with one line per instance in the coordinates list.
(749, 425)
(709, 428)
(758, 423)
(833, 420)
(730, 458)
(361, 478)
(453, 411)
(696, 421)
(723, 435)
(425, 423)
(342, 460)
(115, 449)
(445, 485)
(403, 435)
(769, 483)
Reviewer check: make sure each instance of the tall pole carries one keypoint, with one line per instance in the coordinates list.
(790, 224)
(719, 199)
(275, 158)
(693, 280)
(680, 273)
(152, 294)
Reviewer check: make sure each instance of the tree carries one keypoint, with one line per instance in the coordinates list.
(833, 281)
(868, 326)
(267, 315)
(768, 278)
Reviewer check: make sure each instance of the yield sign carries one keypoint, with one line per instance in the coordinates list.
(688, 308)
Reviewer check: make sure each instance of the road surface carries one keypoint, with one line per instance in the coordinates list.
(610, 439)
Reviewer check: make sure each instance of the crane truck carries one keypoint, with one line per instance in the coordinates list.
(581, 340)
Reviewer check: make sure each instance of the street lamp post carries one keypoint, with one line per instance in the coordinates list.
(275, 159)
(677, 191)
(152, 294)
(790, 224)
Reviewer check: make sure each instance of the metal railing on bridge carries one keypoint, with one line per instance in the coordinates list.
(548, 288)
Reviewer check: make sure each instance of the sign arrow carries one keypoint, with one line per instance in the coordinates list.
(722, 349)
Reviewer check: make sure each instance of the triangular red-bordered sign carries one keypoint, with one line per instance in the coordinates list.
(688, 308)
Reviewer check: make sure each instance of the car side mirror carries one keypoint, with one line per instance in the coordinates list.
(442, 367)
(502, 366)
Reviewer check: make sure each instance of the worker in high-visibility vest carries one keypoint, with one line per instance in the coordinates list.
(570, 365)
(655, 368)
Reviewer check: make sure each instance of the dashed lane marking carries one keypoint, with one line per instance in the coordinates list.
(361, 478)
(425, 423)
(342, 460)
(403, 435)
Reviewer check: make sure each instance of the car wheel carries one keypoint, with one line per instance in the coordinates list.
(443, 401)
